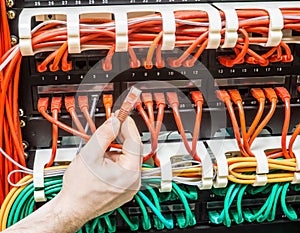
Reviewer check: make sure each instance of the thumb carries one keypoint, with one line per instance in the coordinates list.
(100, 141)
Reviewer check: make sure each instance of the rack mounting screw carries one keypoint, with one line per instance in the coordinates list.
(10, 3)
(11, 14)
(25, 145)
(22, 123)
(13, 40)
(26, 155)
(21, 112)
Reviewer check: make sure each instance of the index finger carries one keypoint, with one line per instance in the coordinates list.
(100, 140)
(132, 145)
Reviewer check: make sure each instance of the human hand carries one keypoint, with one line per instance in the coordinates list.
(97, 181)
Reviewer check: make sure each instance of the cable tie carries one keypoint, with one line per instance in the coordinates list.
(219, 149)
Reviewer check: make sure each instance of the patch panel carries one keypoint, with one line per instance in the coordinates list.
(220, 103)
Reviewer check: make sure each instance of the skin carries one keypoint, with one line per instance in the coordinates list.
(61, 220)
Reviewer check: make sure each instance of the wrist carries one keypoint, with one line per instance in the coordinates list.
(66, 212)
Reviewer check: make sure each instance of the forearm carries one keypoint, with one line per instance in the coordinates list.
(49, 218)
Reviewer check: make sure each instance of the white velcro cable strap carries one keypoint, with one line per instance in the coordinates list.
(219, 148)
(169, 29)
(121, 30)
(275, 16)
(73, 33)
(207, 167)
(259, 146)
(214, 18)
(231, 26)
(164, 153)
(42, 157)
(286, 5)
(166, 174)
(25, 26)
(296, 150)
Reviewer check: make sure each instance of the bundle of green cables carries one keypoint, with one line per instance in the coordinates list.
(148, 197)
(267, 210)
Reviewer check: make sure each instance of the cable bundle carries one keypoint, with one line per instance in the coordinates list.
(242, 170)
(233, 204)
(20, 203)
(10, 132)
(247, 139)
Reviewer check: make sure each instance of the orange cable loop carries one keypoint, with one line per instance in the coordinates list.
(284, 95)
(259, 95)
(272, 97)
(55, 108)
(225, 98)
(70, 106)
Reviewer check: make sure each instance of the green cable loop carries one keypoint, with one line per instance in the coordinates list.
(266, 208)
(29, 206)
(168, 223)
(274, 207)
(49, 190)
(111, 227)
(240, 218)
(94, 223)
(146, 220)
(288, 210)
(100, 228)
(217, 218)
(190, 218)
(228, 202)
(134, 226)
(158, 224)
(263, 217)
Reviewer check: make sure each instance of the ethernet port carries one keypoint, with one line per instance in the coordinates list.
(80, 65)
(244, 92)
